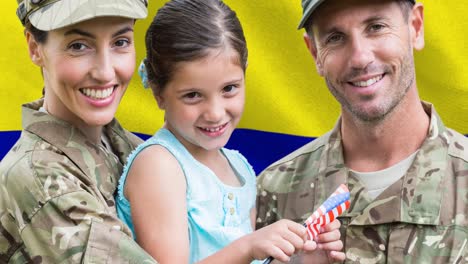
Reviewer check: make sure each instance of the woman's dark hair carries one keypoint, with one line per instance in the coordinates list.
(39, 35)
(187, 30)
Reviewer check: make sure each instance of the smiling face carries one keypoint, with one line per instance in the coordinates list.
(204, 100)
(87, 68)
(364, 50)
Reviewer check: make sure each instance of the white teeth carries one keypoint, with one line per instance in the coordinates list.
(368, 82)
(97, 94)
(216, 129)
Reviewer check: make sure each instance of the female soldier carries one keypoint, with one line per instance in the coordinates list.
(57, 182)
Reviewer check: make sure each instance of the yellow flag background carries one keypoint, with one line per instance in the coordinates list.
(284, 93)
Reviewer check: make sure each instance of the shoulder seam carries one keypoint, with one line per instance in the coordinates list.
(454, 150)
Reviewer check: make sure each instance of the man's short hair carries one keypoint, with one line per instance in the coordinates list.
(405, 6)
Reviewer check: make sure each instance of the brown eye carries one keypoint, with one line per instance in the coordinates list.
(192, 98)
(192, 95)
(229, 88)
(376, 27)
(77, 46)
(335, 38)
(122, 43)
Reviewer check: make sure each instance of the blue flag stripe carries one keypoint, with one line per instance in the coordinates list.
(259, 147)
(335, 200)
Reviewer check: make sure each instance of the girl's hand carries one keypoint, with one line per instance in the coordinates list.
(279, 240)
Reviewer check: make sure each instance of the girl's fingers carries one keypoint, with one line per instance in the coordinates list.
(278, 254)
(294, 239)
(296, 228)
(309, 245)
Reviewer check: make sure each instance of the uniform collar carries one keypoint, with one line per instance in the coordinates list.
(94, 161)
(33, 118)
(415, 198)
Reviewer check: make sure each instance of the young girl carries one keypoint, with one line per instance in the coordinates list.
(189, 196)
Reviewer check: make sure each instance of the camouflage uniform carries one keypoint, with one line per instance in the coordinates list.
(422, 218)
(56, 195)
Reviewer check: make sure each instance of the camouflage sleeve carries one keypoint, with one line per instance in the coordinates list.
(266, 205)
(75, 228)
(50, 212)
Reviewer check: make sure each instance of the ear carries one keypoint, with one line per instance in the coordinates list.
(160, 101)
(416, 23)
(34, 49)
(312, 47)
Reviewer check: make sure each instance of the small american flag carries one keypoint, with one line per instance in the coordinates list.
(333, 207)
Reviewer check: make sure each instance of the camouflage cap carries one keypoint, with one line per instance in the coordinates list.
(309, 6)
(52, 14)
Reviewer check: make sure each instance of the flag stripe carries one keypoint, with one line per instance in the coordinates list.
(333, 207)
(254, 145)
(314, 228)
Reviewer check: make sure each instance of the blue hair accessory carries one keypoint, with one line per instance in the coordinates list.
(143, 74)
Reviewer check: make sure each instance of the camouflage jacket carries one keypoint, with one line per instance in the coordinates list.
(422, 218)
(56, 195)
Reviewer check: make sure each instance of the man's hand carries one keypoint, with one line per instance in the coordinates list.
(329, 247)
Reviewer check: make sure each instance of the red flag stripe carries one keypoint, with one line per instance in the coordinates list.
(313, 229)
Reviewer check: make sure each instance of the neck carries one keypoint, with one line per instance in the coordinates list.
(93, 133)
(375, 146)
(202, 155)
(212, 159)
(207, 157)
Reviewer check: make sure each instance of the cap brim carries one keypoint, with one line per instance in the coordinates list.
(68, 12)
(308, 10)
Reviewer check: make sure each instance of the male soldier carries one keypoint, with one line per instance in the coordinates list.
(406, 171)
(57, 182)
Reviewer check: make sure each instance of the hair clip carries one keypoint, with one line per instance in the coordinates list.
(143, 74)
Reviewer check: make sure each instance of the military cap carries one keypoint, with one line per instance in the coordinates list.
(53, 14)
(309, 6)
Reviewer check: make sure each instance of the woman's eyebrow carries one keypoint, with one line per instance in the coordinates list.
(90, 35)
